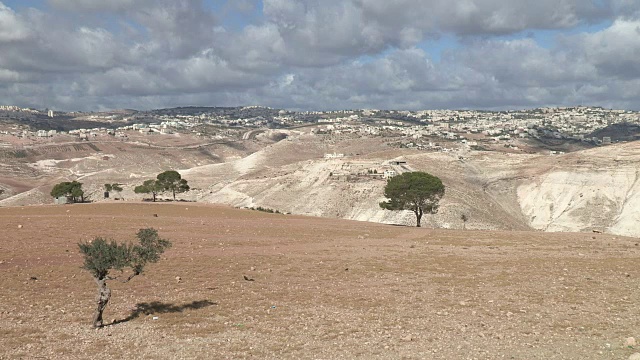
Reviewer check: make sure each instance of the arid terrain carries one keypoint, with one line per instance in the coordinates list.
(319, 288)
(286, 170)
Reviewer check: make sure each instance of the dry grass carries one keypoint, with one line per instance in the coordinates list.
(323, 289)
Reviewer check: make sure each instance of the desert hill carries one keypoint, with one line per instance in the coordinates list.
(286, 170)
(317, 288)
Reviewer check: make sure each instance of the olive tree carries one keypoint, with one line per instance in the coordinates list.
(71, 189)
(103, 258)
(148, 187)
(417, 191)
(464, 218)
(113, 187)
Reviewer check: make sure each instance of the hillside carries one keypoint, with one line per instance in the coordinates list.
(594, 189)
(321, 288)
(586, 190)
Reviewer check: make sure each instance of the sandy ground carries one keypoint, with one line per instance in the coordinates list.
(321, 289)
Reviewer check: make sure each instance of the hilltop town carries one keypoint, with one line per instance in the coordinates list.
(428, 129)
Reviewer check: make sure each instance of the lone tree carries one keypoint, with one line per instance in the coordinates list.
(102, 258)
(464, 219)
(171, 180)
(416, 191)
(72, 190)
(148, 187)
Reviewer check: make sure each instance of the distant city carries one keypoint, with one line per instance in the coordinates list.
(587, 125)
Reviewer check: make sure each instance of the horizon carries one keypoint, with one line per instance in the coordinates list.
(327, 110)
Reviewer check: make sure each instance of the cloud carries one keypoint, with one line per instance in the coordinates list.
(313, 54)
(96, 5)
(614, 51)
(12, 27)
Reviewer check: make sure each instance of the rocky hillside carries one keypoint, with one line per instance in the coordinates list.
(595, 189)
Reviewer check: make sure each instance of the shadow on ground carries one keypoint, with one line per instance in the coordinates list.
(157, 307)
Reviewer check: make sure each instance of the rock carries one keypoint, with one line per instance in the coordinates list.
(634, 356)
(407, 338)
(19, 226)
(253, 268)
(178, 279)
(630, 341)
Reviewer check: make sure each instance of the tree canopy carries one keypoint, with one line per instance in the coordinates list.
(113, 187)
(148, 187)
(171, 180)
(102, 256)
(417, 191)
(71, 189)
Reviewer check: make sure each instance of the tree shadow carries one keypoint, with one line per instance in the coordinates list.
(157, 307)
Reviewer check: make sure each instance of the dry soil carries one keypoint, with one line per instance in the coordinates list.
(317, 289)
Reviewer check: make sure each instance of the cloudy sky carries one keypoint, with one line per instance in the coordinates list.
(320, 54)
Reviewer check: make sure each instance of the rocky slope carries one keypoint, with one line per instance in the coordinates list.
(595, 189)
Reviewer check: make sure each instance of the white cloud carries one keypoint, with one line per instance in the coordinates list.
(12, 28)
(318, 54)
(614, 51)
(96, 5)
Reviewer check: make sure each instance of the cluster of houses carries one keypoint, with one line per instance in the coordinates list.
(363, 168)
(461, 126)
(18, 109)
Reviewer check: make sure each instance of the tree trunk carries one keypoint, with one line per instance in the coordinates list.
(418, 217)
(174, 195)
(154, 196)
(104, 294)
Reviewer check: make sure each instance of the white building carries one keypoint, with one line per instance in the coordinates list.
(388, 174)
(333, 156)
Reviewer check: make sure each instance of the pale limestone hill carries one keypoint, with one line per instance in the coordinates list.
(588, 190)
(596, 189)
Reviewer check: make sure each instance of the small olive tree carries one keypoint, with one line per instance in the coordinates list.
(104, 257)
(464, 218)
(113, 187)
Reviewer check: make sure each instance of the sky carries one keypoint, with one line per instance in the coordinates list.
(92, 55)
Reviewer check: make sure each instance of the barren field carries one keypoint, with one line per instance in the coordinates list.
(319, 289)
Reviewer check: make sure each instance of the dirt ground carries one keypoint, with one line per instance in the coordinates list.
(317, 289)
